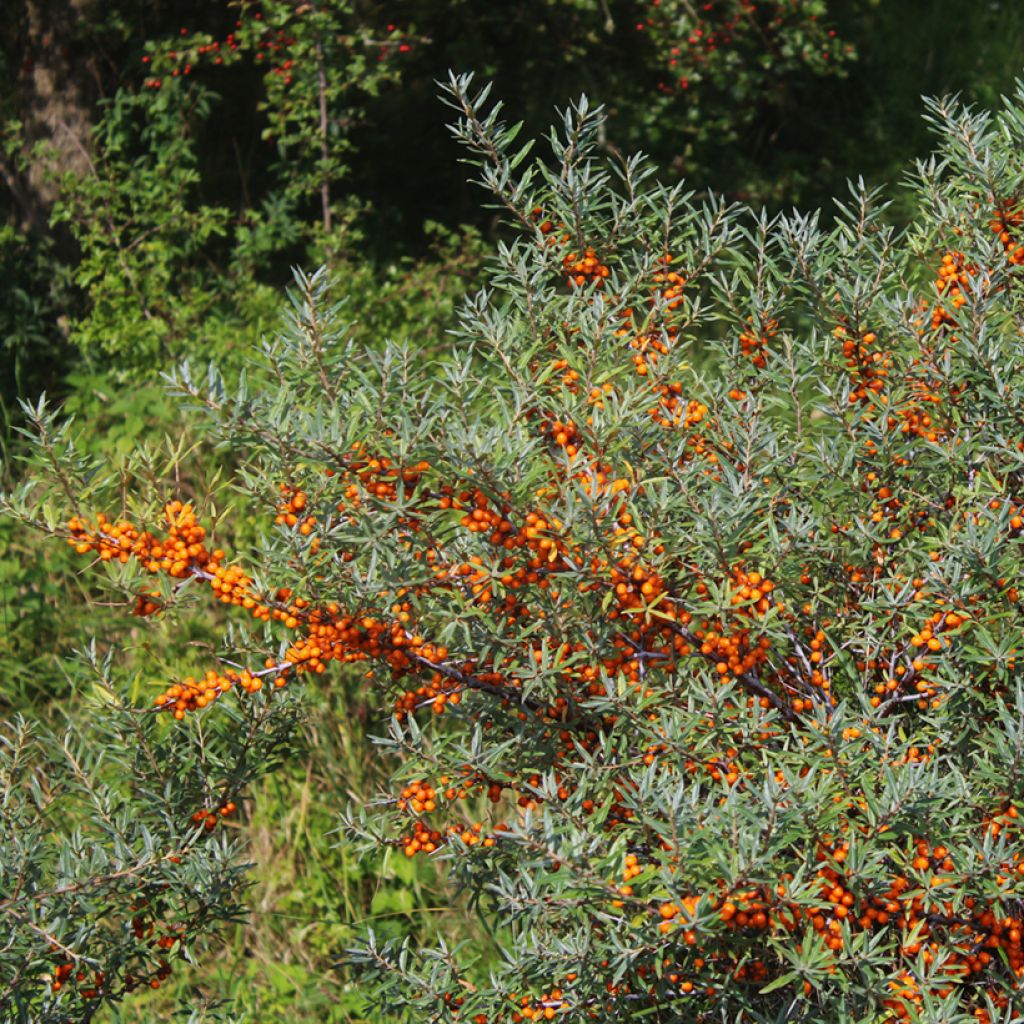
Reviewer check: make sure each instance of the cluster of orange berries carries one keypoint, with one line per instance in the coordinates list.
(380, 478)
(656, 340)
(426, 840)
(419, 797)
(470, 782)
(423, 839)
(110, 540)
(60, 975)
(594, 475)
(632, 867)
(585, 269)
(332, 635)
(968, 944)
(648, 347)
(719, 769)
(929, 641)
(153, 979)
(673, 411)
(754, 344)
(941, 621)
(471, 835)
(731, 649)
(670, 912)
(662, 636)
(889, 504)
(569, 378)
(147, 603)
(563, 434)
(439, 692)
(210, 818)
(544, 224)
(669, 285)
(472, 578)
(181, 553)
(868, 366)
(144, 928)
(182, 549)
(543, 1007)
(920, 909)
(751, 592)
(290, 510)
(597, 395)
(1006, 224)
(636, 587)
(817, 658)
(913, 418)
(1006, 818)
(953, 279)
(538, 534)
(65, 972)
(749, 910)
(192, 694)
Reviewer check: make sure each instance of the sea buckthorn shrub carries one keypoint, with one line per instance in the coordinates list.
(121, 856)
(688, 581)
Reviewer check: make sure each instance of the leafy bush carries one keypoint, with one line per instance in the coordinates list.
(690, 575)
(115, 861)
(167, 272)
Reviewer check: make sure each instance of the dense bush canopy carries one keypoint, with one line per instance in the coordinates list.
(669, 549)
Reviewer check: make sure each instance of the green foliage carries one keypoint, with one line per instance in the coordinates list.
(165, 272)
(31, 623)
(690, 572)
(213, 168)
(30, 351)
(226, 155)
(136, 220)
(30, 297)
(732, 74)
(105, 871)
